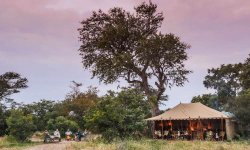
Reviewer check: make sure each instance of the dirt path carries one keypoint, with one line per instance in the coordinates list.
(64, 145)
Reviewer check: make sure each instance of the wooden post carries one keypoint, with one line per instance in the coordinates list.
(171, 125)
(221, 123)
(162, 134)
(190, 130)
(153, 132)
(222, 138)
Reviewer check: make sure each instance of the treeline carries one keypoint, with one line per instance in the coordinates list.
(115, 115)
(231, 83)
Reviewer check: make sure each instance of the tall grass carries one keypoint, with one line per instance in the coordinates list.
(148, 144)
(10, 142)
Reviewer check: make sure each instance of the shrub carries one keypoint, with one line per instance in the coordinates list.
(20, 126)
(119, 115)
(62, 124)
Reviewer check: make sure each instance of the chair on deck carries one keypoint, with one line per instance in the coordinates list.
(165, 134)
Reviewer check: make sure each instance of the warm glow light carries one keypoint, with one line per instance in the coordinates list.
(169, 123)
(209, 126)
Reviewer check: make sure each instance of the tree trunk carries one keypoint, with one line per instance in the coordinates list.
(154, 111)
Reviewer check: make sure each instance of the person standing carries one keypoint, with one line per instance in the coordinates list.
(79, 135)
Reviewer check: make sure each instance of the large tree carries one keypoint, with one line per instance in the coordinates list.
(228, 81)
(10, 83)
(123, 45)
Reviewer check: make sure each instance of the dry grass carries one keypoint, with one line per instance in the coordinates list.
(162, 145)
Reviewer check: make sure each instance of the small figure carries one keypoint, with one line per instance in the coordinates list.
(216, 136)
(84, 134)
(46, 137)
(78, 135)
(57, 135)
(68, 134)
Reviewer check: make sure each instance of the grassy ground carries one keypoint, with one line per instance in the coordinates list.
(10, 143)
(162, 145)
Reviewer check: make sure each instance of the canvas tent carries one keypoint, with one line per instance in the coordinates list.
(194, 116)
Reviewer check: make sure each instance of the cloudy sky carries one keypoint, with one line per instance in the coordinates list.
(39, 40)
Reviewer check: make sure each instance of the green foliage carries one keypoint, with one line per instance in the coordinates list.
(123, 45)
(228, 81)
(119, 115)
(42, 111)
(20, 126)
(241, 109)
(232, 85)
(10, 83)
(62, 124)
(210, 100)
(3, 124)
(77, 103)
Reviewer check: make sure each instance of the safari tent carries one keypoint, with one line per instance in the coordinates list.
(193, 121)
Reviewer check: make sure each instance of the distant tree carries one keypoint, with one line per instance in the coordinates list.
(245, 74)
(10, 83)
(229, 80)
(77, 103)
(210, 100)
(20, 126)
(42, 111)
(121, 45)
(119, 115)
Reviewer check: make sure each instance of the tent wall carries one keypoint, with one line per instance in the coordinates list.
(230, 130)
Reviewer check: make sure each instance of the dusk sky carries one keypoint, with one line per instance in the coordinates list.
(39, 40)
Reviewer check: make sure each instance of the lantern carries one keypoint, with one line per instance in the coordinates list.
(209, 126)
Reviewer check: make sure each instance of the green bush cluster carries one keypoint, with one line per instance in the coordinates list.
(119, 115)
(20, 126)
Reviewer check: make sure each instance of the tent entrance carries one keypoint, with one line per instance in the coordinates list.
(199, 129)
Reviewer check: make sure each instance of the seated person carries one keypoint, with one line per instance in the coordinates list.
(216, 136)
(57, 134)
(68, 134)
(166, 133)
(46, 136)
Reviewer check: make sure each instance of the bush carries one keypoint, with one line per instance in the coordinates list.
(20, 126)
(119, 115)
(62, 124)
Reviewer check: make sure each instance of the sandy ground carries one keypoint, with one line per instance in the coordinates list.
(64, 145)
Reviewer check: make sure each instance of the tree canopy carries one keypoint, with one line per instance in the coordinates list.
(210, 100)
(228, 81)
(10, 83)
(123, 45)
